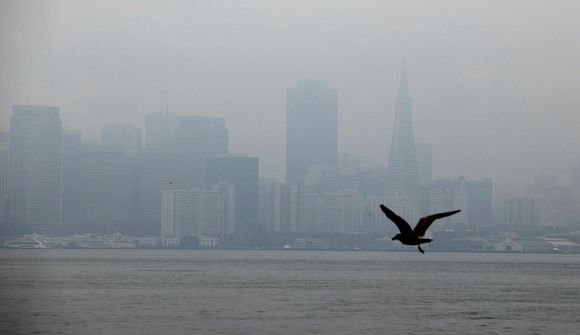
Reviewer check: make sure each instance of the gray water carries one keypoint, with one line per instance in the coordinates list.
(286, 292)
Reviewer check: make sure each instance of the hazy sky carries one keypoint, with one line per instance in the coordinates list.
(495, 84)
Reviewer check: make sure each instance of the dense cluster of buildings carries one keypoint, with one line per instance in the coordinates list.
(178, 179)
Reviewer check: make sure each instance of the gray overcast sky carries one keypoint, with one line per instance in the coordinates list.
(495, 84)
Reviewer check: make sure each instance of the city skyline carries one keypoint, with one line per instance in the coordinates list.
(116, 186)
(257, 166)
(144, 137)
(493, 89)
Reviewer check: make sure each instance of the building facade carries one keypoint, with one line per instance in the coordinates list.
(520, 213)
(4, 144)
(311, 133)
(72, 182)
(197, 138)
(108, 190)
(242, 172)
(124, 136)
(402, 168)
(35, 168)
(156, 171)
(192, 212)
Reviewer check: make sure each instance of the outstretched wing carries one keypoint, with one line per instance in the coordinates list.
(426, 221)
(399, 221)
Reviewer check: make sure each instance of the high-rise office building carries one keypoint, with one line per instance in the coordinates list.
(192, 212)
(553, 202)
(284, 208)
(450, 194)
(265, 187)
(402, 169)
(473, 198)
(339, 212)
(156, 171)
(72, 182)
(311, 133)
(368, 218)
(371, 220)
(160, 132)
(479, 202)
(35, 168)
(242, 172)
(200, 138)
(228, 196)
(108, 190)
(424, 154)
(311, 212)
(122, 136)
(575, 186)
(329, 212)
(520, 212)
(197, 138)
(4, 143)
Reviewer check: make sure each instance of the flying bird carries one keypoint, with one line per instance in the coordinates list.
(416, 235)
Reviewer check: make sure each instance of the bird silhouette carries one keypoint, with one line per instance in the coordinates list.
(416, 235)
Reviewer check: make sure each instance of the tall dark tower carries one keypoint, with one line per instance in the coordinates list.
(402, 170)
(311, 133)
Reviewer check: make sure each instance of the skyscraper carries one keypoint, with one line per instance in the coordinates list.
(479, 202)
(200, 138)
(72, 182)
(450, 194)
(192, 212)
(284, 208)
(242, 172)
(520, 212)
(122, 136)
(311, 133)
(3, 176)
(160, 131)
(196, 138)
(35, 168)
(402, 169)
(265, 206)
(108, 190)
(424, 154)
(156, 171)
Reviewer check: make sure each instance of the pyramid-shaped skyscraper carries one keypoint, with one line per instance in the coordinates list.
(402, 168)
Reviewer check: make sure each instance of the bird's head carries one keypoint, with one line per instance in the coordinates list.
(397, 237)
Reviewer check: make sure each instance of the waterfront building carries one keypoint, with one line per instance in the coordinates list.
(72, 180)
(241, 171)
(4, 144)
(284, 208)
(192, 212)
(156, 171)
(35, 168)
(108, 187)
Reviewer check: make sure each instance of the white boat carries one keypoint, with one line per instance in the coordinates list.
(32, 243)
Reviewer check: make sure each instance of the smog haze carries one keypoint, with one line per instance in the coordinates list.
(495, 85)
